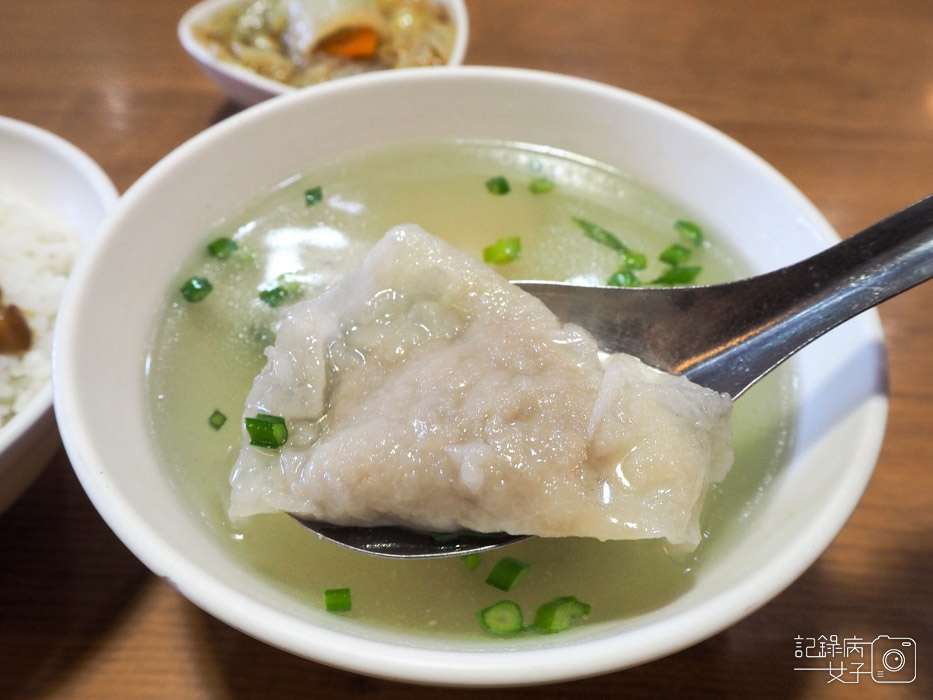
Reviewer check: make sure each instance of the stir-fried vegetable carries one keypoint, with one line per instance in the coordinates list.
(269, 38)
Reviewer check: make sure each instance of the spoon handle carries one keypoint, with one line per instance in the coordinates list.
(775, 315)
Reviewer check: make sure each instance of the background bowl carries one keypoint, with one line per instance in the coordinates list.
(838, 423)
(247, 88)
(56, 176)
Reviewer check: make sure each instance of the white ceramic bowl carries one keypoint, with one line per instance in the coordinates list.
(839, 421)
(247, 88)
(54, 175)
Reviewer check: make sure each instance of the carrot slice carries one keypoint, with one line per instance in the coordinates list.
(352, 42)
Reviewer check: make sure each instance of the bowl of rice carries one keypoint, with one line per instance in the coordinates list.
(53, 198)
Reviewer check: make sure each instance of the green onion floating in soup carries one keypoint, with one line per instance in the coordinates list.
(506, 574)
(502, 619)
(503, 251)
(558, 614)
(196, 289)
(338, 600)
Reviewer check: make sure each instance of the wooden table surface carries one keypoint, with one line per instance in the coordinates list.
(838, 95)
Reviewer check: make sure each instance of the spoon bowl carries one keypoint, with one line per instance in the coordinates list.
(724, 337)
(404, 543)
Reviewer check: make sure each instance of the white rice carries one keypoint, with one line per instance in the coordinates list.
(37, 251)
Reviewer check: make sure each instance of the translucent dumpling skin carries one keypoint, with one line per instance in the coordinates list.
(425, 390)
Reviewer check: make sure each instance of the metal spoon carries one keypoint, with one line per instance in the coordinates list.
(725, 337)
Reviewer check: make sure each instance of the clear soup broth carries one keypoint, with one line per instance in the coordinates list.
(206, 355)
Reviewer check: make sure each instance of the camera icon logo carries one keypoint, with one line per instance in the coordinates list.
(893, 659)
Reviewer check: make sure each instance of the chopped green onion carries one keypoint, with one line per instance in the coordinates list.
(195, 289)
(623, 278)
(498, 185)
(266, 431)
(678, 275)
(314, 195)
(471, 561)
(217, 420)
(675, 254)
(690, 231)
(504, 250)
(634, 261)
(506, 573)
(337, 600)
(600, 235)
(558, 614)
(222, 248)
(288, 282)
(274, 296)
(502, 618)
(541, 185)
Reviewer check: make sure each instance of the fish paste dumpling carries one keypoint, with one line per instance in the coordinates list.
(425, 390)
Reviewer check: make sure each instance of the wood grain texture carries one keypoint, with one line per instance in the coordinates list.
(837, 94)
